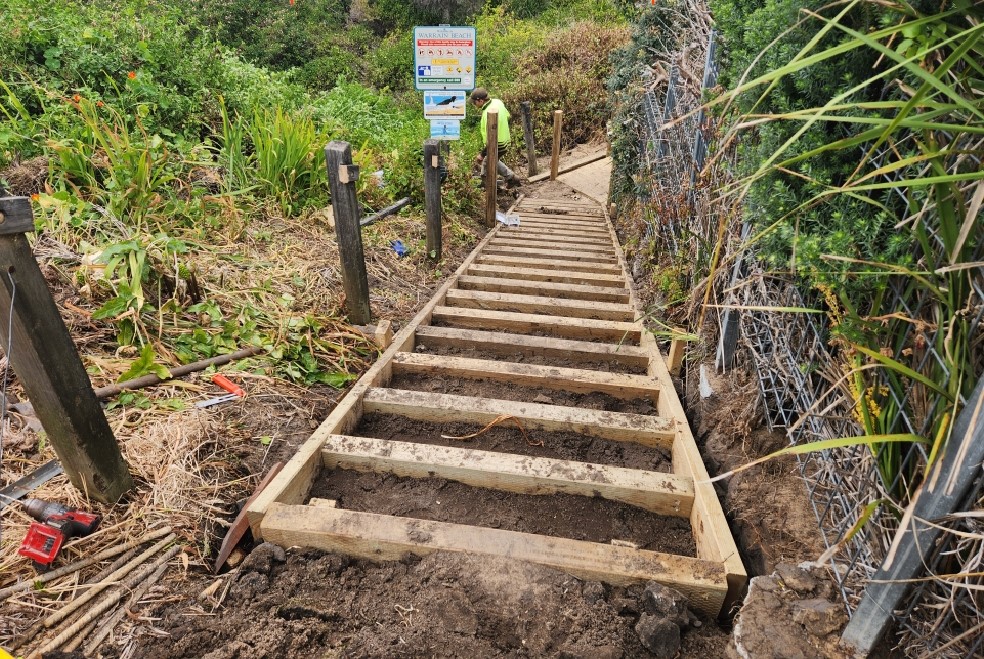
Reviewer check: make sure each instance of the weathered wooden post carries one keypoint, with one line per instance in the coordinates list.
(491, 166)
(555, 157)
(531, 165)
(432, 197)
(342, 175)
(47, 363)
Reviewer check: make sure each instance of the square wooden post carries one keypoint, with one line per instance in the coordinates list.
(47, 363)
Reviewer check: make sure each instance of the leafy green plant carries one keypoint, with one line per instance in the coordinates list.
(908, 147)
(289, 157)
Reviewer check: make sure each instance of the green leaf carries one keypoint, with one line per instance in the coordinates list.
(144, 365)
(813, 447)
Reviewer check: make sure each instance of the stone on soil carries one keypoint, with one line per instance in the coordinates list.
(658, 635)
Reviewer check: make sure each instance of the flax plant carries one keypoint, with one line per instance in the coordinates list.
(909, 367)
(288, 156)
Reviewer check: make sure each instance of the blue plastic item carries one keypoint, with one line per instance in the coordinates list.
(399, 248)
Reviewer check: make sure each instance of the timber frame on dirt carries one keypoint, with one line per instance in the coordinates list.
(557, 285)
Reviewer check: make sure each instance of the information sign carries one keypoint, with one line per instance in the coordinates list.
(445, 104)
(444, 57)
(445, 129)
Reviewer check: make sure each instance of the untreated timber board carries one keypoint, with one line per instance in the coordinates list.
(617, 426)
(549, 222)
(554, 243)
(569, 217)
(545, 263)
(540, 304)
(665, 494)
(710, 526)
(558, 242)
(381, 537)
(503, 343)
(534, 232)
(570, 255)
(619, 385)
(545, 231)
(562, 291)
(539, 274)
(560, 326)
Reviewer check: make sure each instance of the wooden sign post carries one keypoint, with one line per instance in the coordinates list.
(432, 197)
(491, 166)
(342, 175)
(532, 169)
(555, 156)
(48, 365)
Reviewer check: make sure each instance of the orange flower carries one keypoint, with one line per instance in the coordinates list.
(76, 98)
(99, 104)
(131, 75)
(35, 196)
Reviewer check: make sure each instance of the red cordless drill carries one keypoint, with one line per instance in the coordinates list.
(56, 523)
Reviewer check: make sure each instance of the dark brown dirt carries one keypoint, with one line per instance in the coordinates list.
(492, 389)
(507, 438)
(768, 504)
(539, 360)
(558, 515)
(324, 605)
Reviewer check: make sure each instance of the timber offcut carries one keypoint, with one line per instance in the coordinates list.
(554, 288)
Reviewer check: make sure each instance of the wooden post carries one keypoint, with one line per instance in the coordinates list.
(432, 197)
(946, 490)
(48, 365)
(491, 165)
(342, 175)
(555, 157)
(532, 168)
(675, 357)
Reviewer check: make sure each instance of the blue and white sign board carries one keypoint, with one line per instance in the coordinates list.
(445, 105)
(445, 129)
(444, 58)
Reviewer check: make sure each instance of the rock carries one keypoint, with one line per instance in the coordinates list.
(262, 557)
(658, 635)
(248, 585)
(820, 616)
(421, 348)
(664, 602)
(543, 399)
(706, 390)
(796, 578)
(593, 592)
(624, 605)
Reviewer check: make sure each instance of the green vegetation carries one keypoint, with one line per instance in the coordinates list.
(862, 170)
(174, 149)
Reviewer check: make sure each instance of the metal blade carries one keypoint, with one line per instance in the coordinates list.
(25, 485)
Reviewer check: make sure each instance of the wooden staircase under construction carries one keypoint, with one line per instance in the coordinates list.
(555, 287)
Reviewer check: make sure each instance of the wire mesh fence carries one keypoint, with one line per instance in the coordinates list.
(803, 380)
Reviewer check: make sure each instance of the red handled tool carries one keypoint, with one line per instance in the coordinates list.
(56, 524)
(235, 391)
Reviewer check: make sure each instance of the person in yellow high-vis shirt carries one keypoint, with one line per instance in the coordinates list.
(480, 99)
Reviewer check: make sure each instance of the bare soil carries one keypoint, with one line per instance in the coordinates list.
(557, 515)
(507, 438)
(304, 603)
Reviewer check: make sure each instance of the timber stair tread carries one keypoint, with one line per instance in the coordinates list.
(546, 305)
(559, 326)
(662, 493)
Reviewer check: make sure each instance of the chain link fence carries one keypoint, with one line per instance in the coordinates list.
(803, 380)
